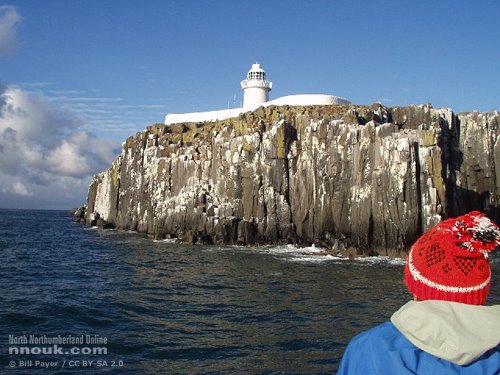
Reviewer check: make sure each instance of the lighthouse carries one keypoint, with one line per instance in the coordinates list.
(255, 87)
(255, 94)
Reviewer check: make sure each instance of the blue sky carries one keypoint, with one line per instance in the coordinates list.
(91, 73)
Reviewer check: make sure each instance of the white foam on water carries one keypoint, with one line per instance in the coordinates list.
(382, 259)
(167, 240)
(282, 249)
(313, 249)
(313, 254)
(317, 258)
(293, 253)
(310, 254)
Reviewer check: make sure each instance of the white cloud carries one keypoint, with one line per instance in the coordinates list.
(67, 160)
(36, 85)
(45, 148)
(111, 115)
(85, 99)
(18, 188)
(9, 21)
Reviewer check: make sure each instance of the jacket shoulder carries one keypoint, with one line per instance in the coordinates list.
(368, 352)
(385, 350)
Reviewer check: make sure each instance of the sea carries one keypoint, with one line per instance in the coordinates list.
(76, 299)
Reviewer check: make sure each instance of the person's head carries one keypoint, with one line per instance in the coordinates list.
(450, 261)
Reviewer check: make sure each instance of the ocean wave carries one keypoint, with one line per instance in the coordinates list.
(167, 240)
(318, 258)
(299, 254)
(313, 254)
(291, 249)
(382, 259)
(294, 253)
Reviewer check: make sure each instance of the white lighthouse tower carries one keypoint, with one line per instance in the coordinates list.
(255, 87)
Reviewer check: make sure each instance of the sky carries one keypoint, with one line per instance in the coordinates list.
(77, 77)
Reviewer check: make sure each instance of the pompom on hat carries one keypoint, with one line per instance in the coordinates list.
(450, 261)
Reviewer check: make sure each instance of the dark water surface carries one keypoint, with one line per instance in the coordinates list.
(172, 308)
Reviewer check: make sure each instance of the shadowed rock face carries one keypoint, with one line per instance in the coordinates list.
(369, 177)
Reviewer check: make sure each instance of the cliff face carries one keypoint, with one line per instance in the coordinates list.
(369, 177)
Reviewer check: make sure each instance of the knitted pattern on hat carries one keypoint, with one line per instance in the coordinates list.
(450, 261)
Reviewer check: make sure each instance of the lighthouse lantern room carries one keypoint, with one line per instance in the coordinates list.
(255, 87)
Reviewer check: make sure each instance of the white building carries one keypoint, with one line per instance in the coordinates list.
(255, 87)
(255, 94)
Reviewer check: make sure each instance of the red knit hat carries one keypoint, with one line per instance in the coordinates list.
(450, 261)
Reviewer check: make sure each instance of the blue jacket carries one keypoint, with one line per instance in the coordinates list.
(403, 346)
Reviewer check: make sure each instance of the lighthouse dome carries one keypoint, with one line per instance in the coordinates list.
(256, 73)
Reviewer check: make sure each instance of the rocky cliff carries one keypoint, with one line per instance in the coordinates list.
(368, 177)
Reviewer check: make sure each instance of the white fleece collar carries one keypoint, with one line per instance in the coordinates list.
(453, 331)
